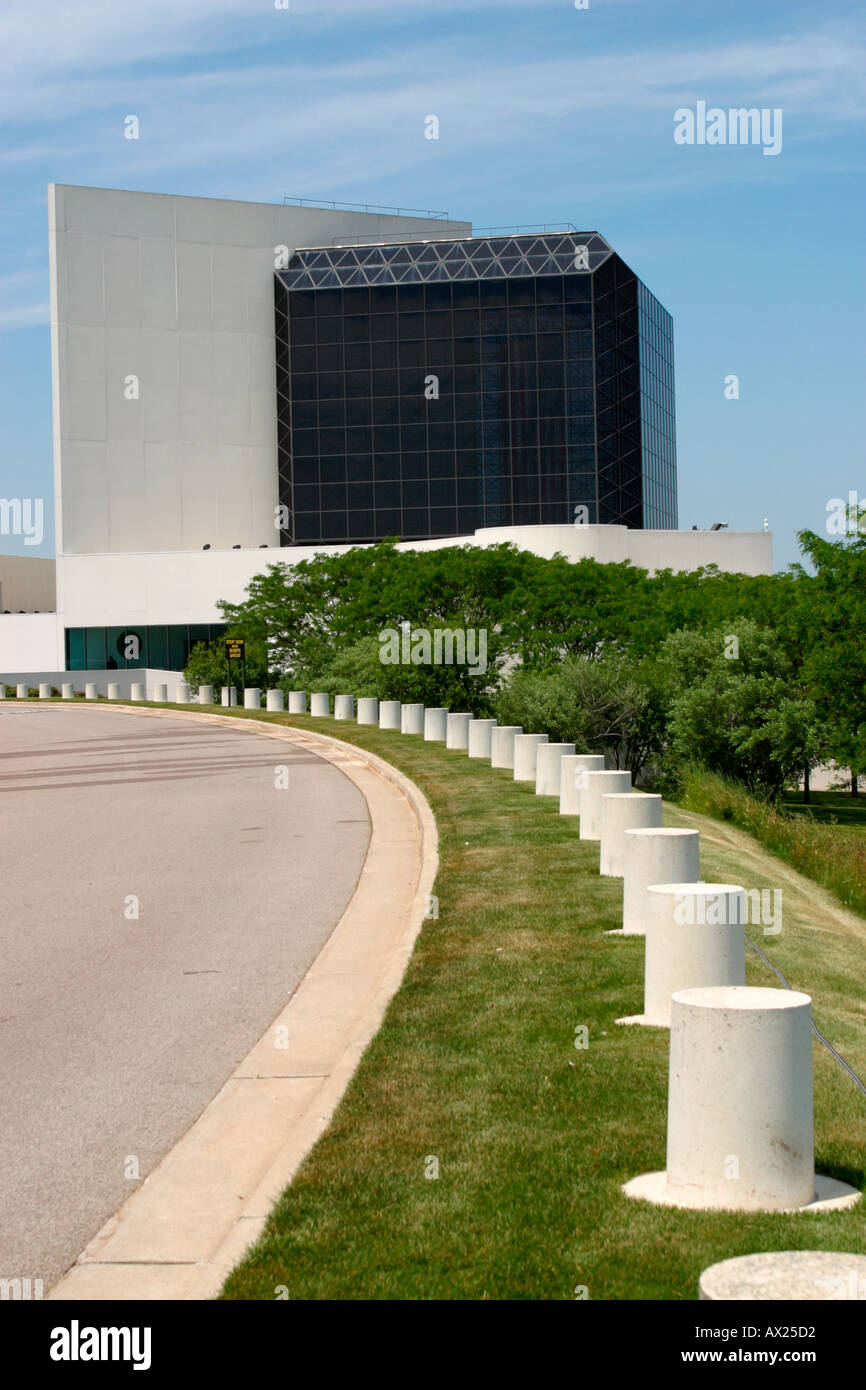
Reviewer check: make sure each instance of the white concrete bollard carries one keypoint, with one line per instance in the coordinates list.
(320, 705)
(113, 691)
(457, 731)
(659, 855)
(91, 691)
(595, 785)
(389, 714)
(480, 744)
(181, 694)
(229, 695)
(160, 694)
(622, 811)
(548, 768)
(67, 691)
(21, 692)
(275, 701)
(526, 756)
(2, 691)
(368, 709)
(740, 1134)
(694, 940)
(297, 702)
(44, 692)
(435, 725)
(138, 691)
(205, 694)
(252, 697)
(571, 783)
(344, 707)
(502, 745)
(795, 1276)
(412, 719)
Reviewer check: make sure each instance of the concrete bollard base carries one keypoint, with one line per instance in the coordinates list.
(799, 1276)
(830, 1195)
(740, 1133)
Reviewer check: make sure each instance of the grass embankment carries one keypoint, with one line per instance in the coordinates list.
(806, 837)
(475, 1066)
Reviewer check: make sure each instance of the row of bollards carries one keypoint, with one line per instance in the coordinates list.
(740, 1113)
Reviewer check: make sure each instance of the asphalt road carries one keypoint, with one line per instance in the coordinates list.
(117, 1030)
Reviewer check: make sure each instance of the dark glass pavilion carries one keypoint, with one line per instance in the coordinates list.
(430, 388)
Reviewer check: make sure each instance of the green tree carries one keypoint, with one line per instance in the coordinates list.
(831, 632)
(737, 704)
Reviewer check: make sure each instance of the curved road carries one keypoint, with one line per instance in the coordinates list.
(117, 1030)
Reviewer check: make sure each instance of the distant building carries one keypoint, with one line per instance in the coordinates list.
(428, 388)
(240, 384)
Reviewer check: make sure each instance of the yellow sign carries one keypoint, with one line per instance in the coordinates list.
(235, 648)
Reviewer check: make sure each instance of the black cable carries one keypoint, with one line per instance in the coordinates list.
(818, 1034)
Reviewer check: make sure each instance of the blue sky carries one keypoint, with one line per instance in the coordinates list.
(547, 114)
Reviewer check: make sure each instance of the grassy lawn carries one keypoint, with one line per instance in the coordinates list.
(840, 808)
(476, 1066)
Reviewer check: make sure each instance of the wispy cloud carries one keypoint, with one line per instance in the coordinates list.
(25, 316)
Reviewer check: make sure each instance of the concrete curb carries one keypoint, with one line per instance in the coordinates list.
(185, 1228)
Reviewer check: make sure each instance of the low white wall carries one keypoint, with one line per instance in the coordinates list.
(735, 552)
(30, 642)
(183, 586)
(78, 679)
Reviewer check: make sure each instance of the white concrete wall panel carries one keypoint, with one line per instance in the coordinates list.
(178, 292)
